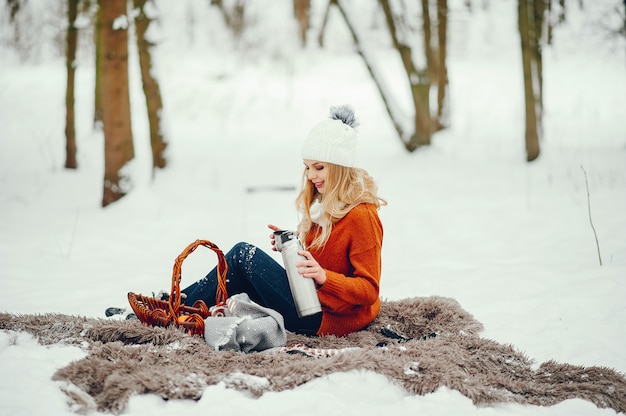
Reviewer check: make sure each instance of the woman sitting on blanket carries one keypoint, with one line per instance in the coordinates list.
(340, 230)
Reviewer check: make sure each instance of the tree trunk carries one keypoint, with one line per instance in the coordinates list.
(70, 59)
(234, 15)
(302, 11)
(118, 140)
(443, 109)
(151, 89)
(539, 20)
(531, 77)
(97, 105)
(320, 38)
(431, 60)
(419, 81)
(14, 8)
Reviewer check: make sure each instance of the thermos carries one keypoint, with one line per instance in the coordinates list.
(302, 288)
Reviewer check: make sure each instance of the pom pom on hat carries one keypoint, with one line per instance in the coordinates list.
(333, 140)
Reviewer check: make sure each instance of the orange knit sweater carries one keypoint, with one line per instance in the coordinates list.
(352, 260)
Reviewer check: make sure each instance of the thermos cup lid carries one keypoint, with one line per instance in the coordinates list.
(284, 236)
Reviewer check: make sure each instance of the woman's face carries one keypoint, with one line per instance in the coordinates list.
(316, 173)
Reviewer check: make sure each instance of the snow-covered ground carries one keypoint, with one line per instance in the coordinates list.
(467, 218)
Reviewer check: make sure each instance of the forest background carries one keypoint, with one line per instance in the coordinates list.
(403, 45)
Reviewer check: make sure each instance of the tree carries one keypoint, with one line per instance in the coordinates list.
(118, 140)
(97, 38)
(302, 13)
(70, 130)
(435, 51)
(418, 77)
(234, 14)
(424, 68)
(14, 9)
(442, 119)
(530, 20)
(151, 88)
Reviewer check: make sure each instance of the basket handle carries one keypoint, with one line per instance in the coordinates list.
(222, 268)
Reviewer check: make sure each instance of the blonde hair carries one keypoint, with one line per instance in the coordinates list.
(344, 189)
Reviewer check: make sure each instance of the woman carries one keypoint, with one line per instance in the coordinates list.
(340, 231)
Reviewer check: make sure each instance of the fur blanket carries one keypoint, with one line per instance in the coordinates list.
(443, 349)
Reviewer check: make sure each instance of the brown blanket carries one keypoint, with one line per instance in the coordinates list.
(126, 358)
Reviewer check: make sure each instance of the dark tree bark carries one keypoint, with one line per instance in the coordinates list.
(70, 59)
(118, 140)
(529, 36)
(431, 60)
(302, 12)
(443, 109)
(14, 8)
(539, 13)
(151, 89)
(97, 105)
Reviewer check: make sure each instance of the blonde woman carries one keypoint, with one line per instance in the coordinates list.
(342, 237)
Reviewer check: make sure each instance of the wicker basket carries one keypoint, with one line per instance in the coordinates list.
(158, 312)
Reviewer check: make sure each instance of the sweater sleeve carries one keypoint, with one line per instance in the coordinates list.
(358, 283)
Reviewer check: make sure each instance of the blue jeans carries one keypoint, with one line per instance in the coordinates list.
(254, 272)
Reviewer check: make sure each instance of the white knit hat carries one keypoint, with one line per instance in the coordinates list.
(333, 140)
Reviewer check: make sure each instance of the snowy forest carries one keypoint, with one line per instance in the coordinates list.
(494, 129)
(403, 45)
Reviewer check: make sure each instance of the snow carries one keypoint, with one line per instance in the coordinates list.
(120, 23)
(467, 218)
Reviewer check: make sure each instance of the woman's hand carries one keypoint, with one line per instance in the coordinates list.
(310, 268)
(272, 239)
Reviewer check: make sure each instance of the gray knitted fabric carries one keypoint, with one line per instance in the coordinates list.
(246, 327)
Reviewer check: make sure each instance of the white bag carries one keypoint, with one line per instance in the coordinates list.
(245, 326)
